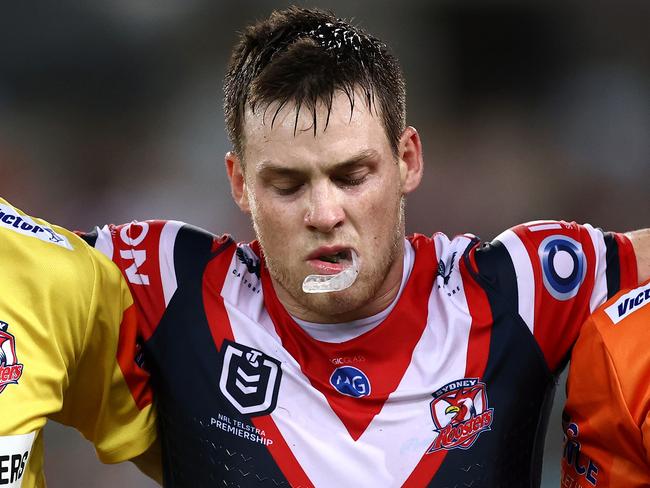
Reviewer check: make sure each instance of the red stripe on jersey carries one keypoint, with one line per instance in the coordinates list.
(425, 470)
(282, 454)
(136, 253)
(557, 322)
(478, 350)
(627, 262)
(213, 278)
(400, 331)
(478, 347)
(136, 378)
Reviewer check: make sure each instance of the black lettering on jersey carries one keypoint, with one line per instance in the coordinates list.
(249, 379)
(12, 467)
(4, 469)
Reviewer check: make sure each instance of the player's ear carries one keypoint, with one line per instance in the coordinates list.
(411, 163)
(237, 181)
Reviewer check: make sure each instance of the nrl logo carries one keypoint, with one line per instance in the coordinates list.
(460, 413)
(250, 380)
(10, 369)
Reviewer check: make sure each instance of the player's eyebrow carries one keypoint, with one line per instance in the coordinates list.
(268, 167)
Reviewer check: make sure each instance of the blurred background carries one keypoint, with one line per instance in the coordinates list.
(111, 111)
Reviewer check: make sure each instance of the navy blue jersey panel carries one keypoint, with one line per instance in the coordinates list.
(518, 385)
(613, 265)
(198, 449)
(496, 274)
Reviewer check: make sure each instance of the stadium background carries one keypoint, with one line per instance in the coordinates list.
(111, 111)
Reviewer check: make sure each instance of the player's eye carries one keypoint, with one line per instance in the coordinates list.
(288, 187)
(351, 179)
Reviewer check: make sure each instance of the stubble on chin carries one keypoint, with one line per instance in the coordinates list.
(331, 305)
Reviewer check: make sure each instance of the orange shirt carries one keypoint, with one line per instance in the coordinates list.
(606, 420)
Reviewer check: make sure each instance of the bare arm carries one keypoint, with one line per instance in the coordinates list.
(150, 462)
(641, 242)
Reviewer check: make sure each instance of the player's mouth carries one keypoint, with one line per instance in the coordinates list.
(330, 260)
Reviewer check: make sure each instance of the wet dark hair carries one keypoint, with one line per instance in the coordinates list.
(303, 56)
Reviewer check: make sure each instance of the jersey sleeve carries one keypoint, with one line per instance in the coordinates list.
(606, 419)
(553, 274)
(144, 253)
(108, 398)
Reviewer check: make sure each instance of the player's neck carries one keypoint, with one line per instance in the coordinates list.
(381, 300)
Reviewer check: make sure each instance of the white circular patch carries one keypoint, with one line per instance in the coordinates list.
(563, 264)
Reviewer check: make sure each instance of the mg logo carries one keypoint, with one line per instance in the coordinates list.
(250, 380)
(350, 381)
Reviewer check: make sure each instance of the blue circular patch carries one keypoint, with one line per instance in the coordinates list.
(563, 266)
(350, 381)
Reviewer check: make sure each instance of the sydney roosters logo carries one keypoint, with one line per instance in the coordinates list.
(460, 413)
(10, 369)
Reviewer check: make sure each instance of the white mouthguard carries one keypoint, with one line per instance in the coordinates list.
(335, 282)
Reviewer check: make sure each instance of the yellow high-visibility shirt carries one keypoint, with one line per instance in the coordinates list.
(67, 349)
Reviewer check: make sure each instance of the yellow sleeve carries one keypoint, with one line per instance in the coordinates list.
(108, 399)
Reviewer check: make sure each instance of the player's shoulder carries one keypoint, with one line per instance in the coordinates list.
(161, 234)
(51, 265)
(33, 243)
(626, 315)
(445, 247)
(621, 326)
(542, 233)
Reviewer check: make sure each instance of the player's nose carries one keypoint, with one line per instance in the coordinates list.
(324, 210)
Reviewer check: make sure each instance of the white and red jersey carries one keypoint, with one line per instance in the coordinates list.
(451, 388)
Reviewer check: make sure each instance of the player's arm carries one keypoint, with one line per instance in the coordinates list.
(640, 240)
(108, 398)
(607, 418)
(150, 462)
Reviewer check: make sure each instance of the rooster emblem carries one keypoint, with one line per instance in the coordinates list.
(10, 369)
(460, 413)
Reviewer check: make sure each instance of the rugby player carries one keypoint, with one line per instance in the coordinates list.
(333, 350)
(65, 311)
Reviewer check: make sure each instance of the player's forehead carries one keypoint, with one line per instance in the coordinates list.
(283, 134)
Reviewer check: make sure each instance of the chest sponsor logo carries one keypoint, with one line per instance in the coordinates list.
(249, 380)
(628, 303)
(350, 381)
(12, 220)
(563, 266)
(10, 369)
(14, 455)
(460, 414)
